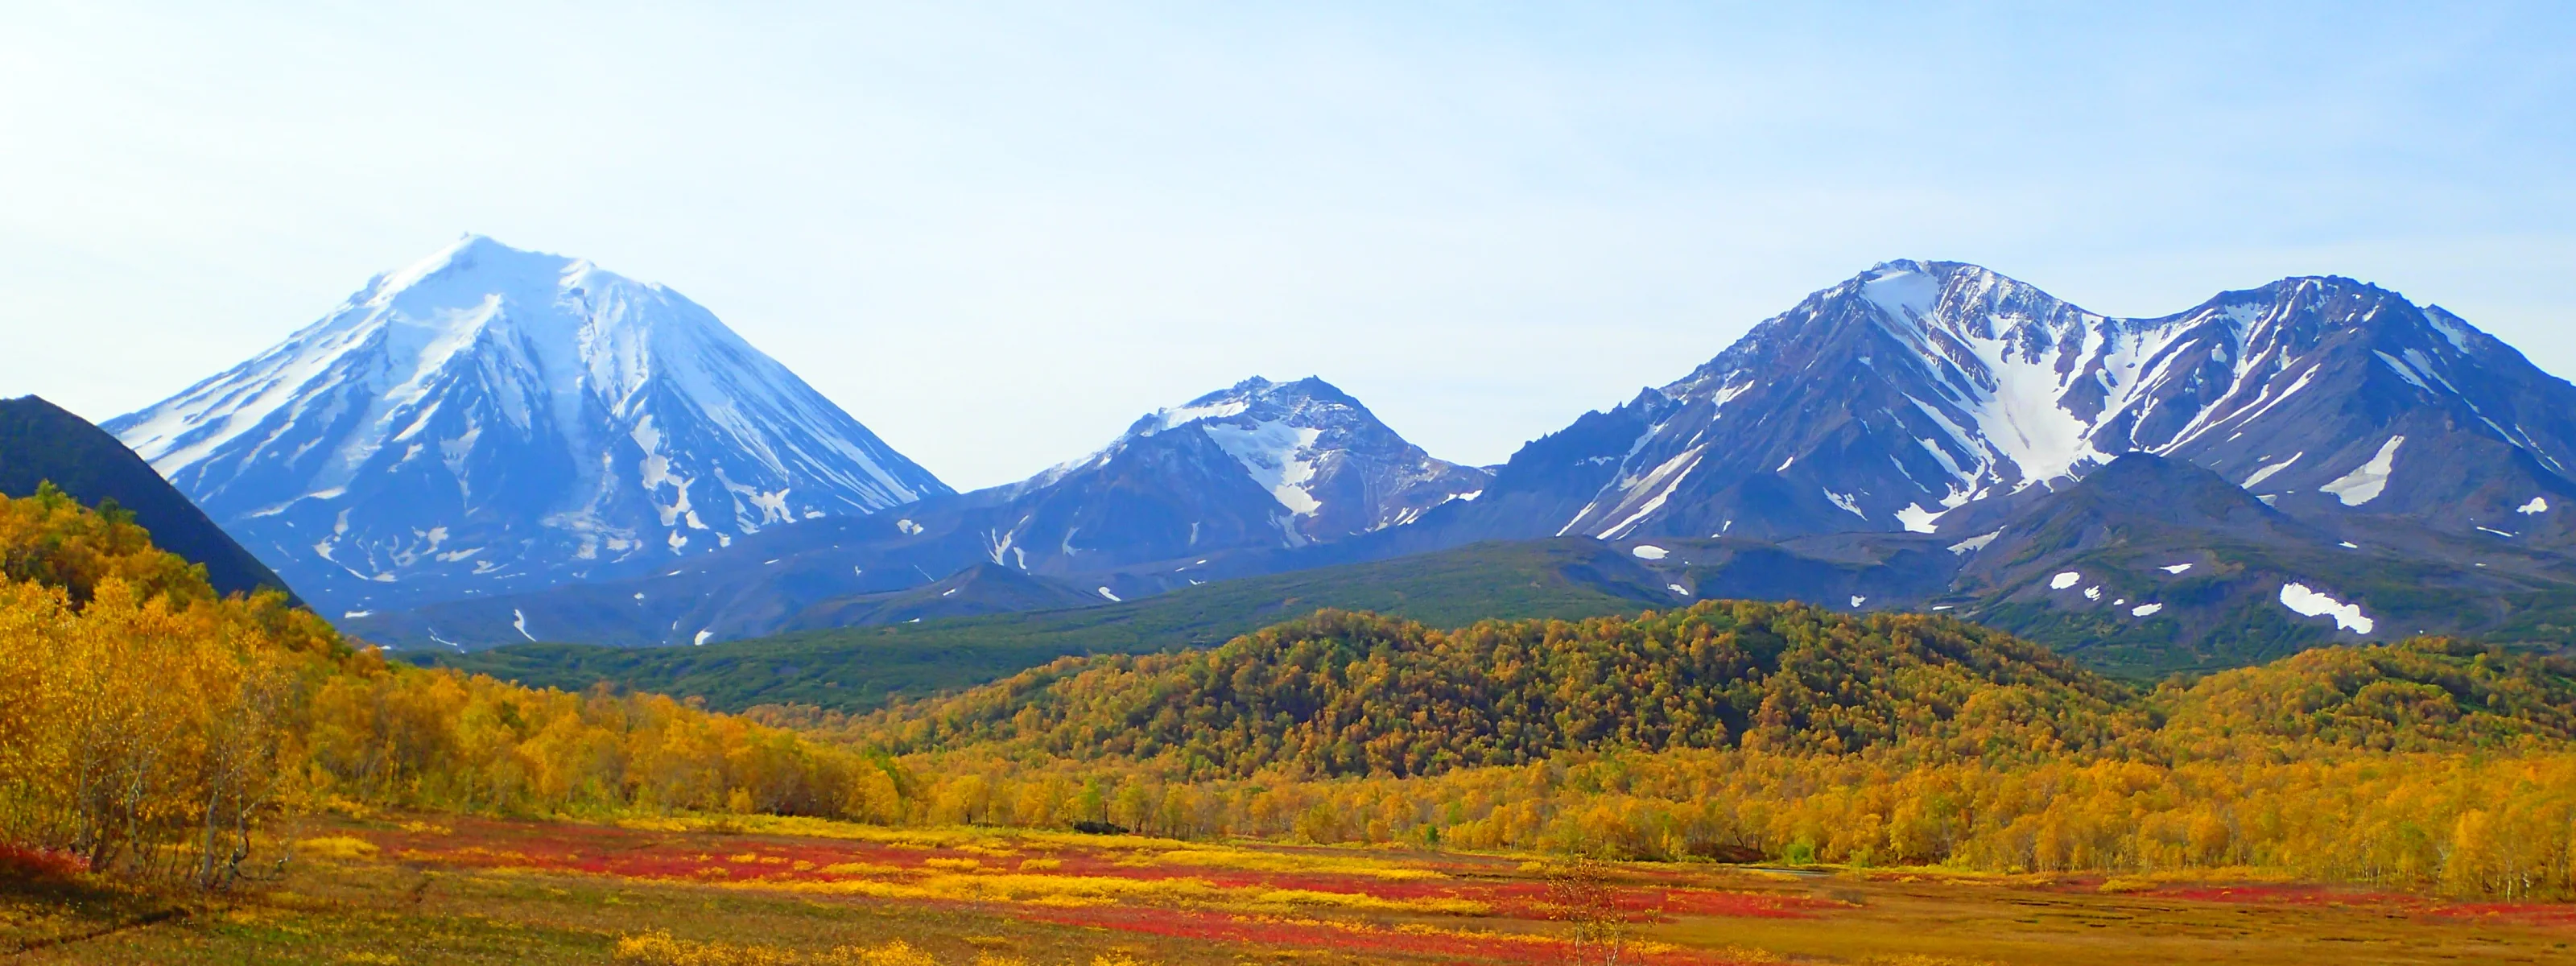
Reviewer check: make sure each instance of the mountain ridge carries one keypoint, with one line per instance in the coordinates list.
(1862, 450)
(1898, 398)
(1228, 484)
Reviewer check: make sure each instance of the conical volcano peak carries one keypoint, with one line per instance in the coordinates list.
(489, 418)
(474, 260)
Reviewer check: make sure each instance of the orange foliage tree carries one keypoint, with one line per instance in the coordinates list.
(149, 726)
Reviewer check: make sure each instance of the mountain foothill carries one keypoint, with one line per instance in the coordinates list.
(495, 448)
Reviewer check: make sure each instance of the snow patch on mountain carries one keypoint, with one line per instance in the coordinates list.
(1277, 456)
(2307, 602)
(1276, 452)
(2012, 374)
(1975, 543)
(1670, 475)
(2267, 471)
(1848, 504)
(1904, 294)
(2366, 482)
(2019, 417)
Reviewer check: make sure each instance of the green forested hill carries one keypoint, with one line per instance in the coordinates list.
(2417, 695)
(1340, 693)
(1343, 694)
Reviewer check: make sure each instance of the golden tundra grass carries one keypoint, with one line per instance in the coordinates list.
(460, 890)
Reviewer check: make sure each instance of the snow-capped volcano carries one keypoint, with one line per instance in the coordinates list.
(490, 419)
(1333, 468)
(1914, 395)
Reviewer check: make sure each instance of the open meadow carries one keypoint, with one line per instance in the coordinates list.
(757, 890)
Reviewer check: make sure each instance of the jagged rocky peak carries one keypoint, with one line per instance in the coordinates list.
(491, 419)
(1332, 466)
(1905, 394)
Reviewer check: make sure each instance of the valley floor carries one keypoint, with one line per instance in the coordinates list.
(445, 889)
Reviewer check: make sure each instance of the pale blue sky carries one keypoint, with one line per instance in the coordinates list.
(998, 233)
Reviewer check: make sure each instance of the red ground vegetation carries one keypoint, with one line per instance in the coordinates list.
(20, 861)
(1271, 932)
(2523, 913)
(629, 853)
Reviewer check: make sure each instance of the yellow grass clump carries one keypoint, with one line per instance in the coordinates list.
(862, 868)
(896, 953)
(342, 847)
(658, 948)
(994, 885)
